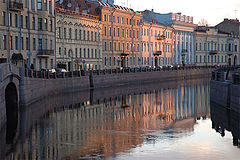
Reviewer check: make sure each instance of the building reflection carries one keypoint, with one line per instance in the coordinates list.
(105, 127)
(223, 120)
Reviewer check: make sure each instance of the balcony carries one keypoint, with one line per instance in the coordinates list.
(213, 52)
(160, 38)
(15, 6)
(45, 53)
(157, 53)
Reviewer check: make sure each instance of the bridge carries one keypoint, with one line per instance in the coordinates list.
(21, 87)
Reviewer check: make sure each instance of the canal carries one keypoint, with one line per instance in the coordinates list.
(172, 120)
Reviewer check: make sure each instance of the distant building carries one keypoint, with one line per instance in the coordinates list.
(214, 47)
(183, 34)
(157, 44)
(106, 1)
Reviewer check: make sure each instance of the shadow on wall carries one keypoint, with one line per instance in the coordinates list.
(11, 99)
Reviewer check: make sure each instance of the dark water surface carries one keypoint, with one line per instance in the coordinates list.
(154, 121)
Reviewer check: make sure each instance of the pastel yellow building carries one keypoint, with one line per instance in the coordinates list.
(157, 44)
(214, 47)
(78, 40)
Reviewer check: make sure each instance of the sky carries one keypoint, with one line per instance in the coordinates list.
(214, 11)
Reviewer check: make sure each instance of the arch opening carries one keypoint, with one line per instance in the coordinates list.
(11, 101)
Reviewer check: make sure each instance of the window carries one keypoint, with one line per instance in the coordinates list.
(4, 18)
(84, 35)
(51, 25)
(105, 17)
(16, 20)
(33, 4)
(21, 21)
(105, 31)
(26, 19)
(110, 31)
(80, 34)
(76, 52)
(105, 46)
(46, 43)
(118, 19)
(46, 24)
(76, 32)
(65, 33)
(34, 44)
(59, 50)
(118, 32)
(70, 33)
(51, 44)
(40, 24)
(5, 42)
(122, 32)
(16, 42)
(39, 4)
(22, 43)
(11, 42)
(40, 47)
(27, 43)
(10, 19)
(33, 23)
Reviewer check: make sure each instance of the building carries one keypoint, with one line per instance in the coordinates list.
(78, 40)
(214, 47)
(232, 27)
(27, 33)
(183, 38)
(121, 35)
(157, 44)
(106, 1)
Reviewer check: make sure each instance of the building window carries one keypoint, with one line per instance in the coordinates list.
(105, 61)
(105, 46)
(27, 44)
(16, 42)
(16, 20)
(39, 24)
(4, 42)
(10, 19)
(40, 47)
(76, 52)
(51, 63)
(21, 21)
(105, 17)
(34, 44)
(33, 23)
(11, 44)
(84, 35)
(51, 44)
(46, 63)
(40, 63)
(65, 33)
(26, 19)
(70, 33)
(4, 18)
(22, 43)
(76, 32)
(60, 51)
(51, 25)
(39, 4)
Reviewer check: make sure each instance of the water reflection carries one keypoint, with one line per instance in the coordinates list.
(102, 124)
(224, 120)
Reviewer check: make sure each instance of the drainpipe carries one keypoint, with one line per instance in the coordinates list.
(8, 39)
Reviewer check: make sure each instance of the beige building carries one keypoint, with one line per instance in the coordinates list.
(157, 44)
(78, 40)
(214, 47)
(27, 33)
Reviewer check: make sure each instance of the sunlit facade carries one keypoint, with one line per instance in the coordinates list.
(27, 33)
(157, 44)
(214, 47)
(79, 44)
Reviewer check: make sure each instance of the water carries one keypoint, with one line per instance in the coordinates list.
(155, 121)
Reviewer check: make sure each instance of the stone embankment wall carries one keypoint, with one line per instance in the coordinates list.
(225, 92)
(34, 89)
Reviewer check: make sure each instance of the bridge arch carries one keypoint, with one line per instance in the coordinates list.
(11, 104)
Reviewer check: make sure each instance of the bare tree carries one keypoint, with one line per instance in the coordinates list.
(203, 22)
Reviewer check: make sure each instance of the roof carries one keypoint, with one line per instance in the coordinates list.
(104, 4)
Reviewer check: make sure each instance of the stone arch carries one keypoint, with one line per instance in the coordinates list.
(11, 103)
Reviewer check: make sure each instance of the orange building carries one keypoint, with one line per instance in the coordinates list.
(120, 36)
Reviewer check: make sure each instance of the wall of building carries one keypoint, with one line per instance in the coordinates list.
(32, 33)
(79, 43)
(154, 46)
